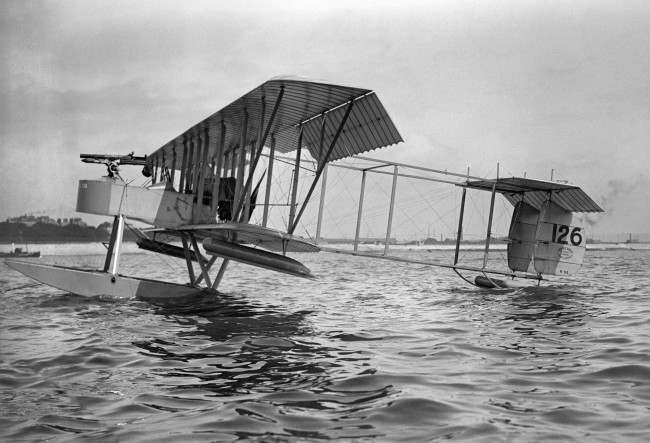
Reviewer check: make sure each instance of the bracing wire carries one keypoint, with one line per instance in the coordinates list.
(431, 207)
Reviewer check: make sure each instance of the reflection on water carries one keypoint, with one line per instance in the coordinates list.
(376, 351)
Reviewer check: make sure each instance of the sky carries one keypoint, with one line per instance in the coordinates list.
(534, 85)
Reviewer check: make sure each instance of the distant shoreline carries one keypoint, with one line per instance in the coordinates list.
(48, 230)
(56, 242)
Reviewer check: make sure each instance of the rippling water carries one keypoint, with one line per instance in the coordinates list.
(374, 350)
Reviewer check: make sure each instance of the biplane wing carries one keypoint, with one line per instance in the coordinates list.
(202, 180)
(214, 160)
(286, 109)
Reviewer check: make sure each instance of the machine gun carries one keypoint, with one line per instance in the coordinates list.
(113, 162)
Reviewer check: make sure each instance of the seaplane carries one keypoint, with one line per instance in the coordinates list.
(204, 185)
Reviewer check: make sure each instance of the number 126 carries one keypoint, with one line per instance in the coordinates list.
(561, 232)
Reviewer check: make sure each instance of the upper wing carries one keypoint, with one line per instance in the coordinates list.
(302, 104)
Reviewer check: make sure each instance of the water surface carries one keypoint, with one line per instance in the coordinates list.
(373, 350)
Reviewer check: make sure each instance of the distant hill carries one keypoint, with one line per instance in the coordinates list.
(41, 232)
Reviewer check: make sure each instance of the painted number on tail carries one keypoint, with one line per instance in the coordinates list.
(564, 235)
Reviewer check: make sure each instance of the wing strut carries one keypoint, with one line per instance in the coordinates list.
(258, 151)
(391, 208)
(489, 226)
(204, 141)
(218, 161)
(459, 234)
(269, 181)
(321, 166)
(296, 176)
(360, 210)
(242, 163)
(321, 205)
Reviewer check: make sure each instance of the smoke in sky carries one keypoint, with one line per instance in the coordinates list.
(620, 196)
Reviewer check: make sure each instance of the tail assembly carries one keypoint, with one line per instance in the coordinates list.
(545, 242)
(545, 236)
(560, 243)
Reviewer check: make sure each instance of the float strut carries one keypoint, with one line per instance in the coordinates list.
(219, 277)
(117, 244)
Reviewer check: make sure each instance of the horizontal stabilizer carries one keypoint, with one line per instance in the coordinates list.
(536, 192)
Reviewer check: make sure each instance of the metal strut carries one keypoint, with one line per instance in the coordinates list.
(269, 181)
(321, 205)
(202, 262)
(391, 209)
(296, 177)
(111, 244)
(359, 211)
(188, 259)
(219, 277)
(459, 234)
(260, 146)
(321, 165)
(112, 262)
(489, 226)
(208, 266)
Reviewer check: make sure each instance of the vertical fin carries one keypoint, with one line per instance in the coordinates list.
(560, 243)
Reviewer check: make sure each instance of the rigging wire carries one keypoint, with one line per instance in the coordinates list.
(504, 211)
(431, 207)
(279, 159)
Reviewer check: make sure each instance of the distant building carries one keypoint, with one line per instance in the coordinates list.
(77, 221)
(31, 220)
(46, 220)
